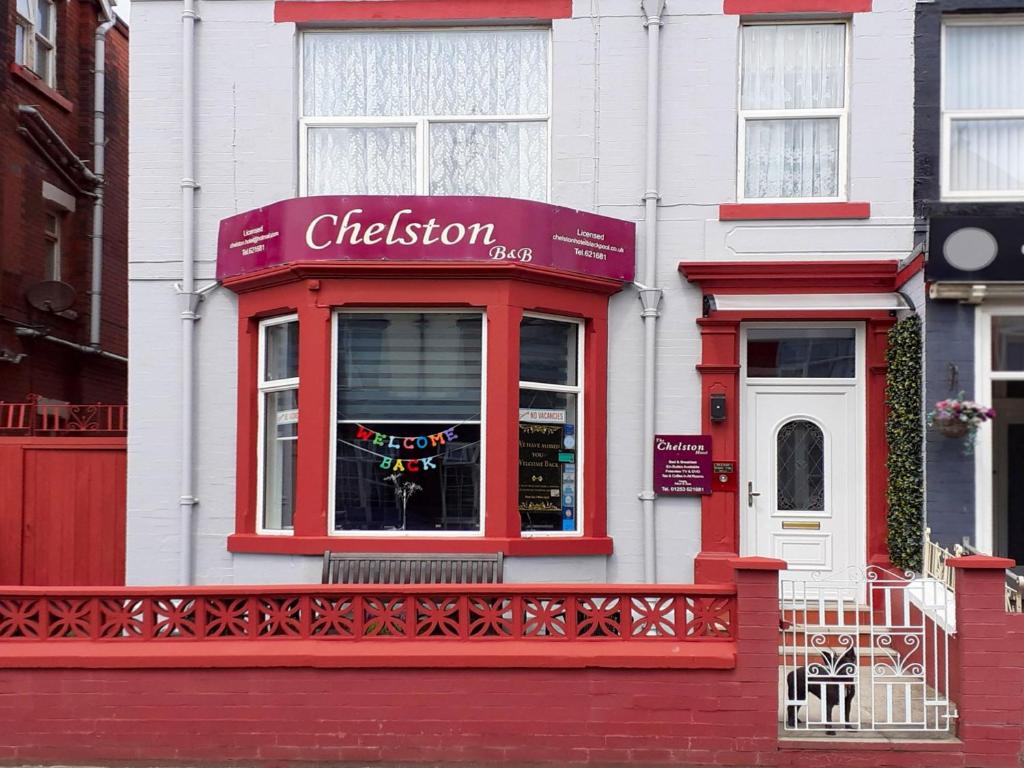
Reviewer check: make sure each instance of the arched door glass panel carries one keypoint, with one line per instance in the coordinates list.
(800, 467)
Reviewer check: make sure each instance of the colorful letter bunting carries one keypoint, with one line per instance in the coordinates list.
(408, 443)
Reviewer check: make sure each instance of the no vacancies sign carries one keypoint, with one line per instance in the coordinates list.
(426, 229)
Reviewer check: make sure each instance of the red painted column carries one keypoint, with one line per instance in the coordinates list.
(315, 428)
(719, 370)
(991, 672)
(876, 447)
(502, 431)
(757, 652)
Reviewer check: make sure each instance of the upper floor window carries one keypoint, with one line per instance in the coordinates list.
(35, 32)
(53, 246)
(983, 108)
(438, 112)
(793, 111)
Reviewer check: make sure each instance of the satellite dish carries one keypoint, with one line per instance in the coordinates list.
(51, 296)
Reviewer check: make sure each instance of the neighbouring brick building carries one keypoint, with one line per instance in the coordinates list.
(52, 342)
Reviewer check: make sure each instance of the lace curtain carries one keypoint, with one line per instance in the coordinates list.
(428, 77)
(792, 67)
(983, 72)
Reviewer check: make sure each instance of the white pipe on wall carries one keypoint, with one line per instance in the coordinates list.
(99, 146)
(189, 297)
(650, 297)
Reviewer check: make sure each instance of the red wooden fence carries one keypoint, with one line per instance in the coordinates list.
(62, 510)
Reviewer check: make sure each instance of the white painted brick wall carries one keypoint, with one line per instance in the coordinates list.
(247, 156)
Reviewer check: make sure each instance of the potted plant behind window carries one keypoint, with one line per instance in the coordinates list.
(960, 418)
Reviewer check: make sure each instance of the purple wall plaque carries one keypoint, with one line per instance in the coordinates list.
(426, 229)
(682, 464)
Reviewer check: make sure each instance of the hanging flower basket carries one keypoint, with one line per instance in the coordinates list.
(959, 418)
(952, 428)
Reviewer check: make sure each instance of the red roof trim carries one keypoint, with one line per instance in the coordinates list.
(299, 11)
(916, 265)
(767, 211)
(792, 276)
(752, 7)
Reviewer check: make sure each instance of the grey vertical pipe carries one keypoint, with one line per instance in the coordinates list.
(99, 141)
(650, 297)
(187, 501)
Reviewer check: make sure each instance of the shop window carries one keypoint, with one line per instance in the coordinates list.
(35, 33)
(279, 419)
(982, 103)
(793, 112)
(800, 458)
(801, 353)
(408, 444)
(439, 112)
(550, 388)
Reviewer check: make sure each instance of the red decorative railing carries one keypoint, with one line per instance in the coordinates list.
(485, 613)
(40, 419)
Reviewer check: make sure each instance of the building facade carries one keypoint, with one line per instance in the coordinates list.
(968, 196)
(360, 186)
(63, 203)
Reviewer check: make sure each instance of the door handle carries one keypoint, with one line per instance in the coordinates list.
(751, 494)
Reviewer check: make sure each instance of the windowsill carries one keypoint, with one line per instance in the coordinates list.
(36, 82)
(752, 7)
(316, 545)
(792, 211)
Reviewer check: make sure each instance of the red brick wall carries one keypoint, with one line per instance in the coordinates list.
(51, 370)
(65, 712)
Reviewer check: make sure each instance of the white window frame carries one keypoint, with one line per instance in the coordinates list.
(54, 261)
(37, 39)
(843, 113)
(420, 122)
(333, 453)
(264, 388)
(984, 450)
(949, 115)
(579, 390)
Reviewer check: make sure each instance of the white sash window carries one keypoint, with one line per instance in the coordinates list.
(35, 35)
(438, 112)
(793, 112)
(983, 108)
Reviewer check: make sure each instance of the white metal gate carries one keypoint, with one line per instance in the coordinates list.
(869, 653)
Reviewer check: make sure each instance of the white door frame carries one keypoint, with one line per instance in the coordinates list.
(984, 521)
(748, 538)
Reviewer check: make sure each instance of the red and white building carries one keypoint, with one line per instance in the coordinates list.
(764, 157)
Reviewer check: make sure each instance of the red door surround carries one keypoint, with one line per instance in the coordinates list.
(720, 374)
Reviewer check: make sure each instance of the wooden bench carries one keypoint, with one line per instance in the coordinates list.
(343, 568)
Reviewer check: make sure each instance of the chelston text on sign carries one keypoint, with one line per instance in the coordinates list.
(426, 229)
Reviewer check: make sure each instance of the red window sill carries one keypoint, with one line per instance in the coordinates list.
(299, 11)
(33, 80)
(792, 211)
(316, 545)
(751, 7)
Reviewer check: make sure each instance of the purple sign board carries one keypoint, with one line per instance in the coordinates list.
(682, 464)
(426, 229)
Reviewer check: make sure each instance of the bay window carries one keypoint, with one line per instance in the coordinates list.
(408, 427)
(438, 112)
(793, 112)
(983, 108)
(436, 413)
(278, 385)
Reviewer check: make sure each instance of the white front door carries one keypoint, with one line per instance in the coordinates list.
(802, 493)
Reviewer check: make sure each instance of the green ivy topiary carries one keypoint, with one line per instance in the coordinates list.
(904, 434)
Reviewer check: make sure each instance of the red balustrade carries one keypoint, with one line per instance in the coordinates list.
(51, 419)
(484, 613)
